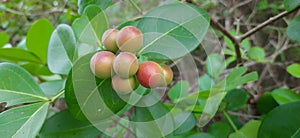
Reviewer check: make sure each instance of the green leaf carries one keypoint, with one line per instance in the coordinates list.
(155, 118)
(214, 65)
(18, 55)
(283, 96)
(195, 101)
(249, 130)
(282, 122)
(184, 122)
(234, 79)
(84, 93)
(90, 27)
(235, 99)
(172, 31)
(205, 82)
(61, 51)
(129, 23)
(37, 69)
(219, 129)
(51, 88)
(294, 70)
(4, 39)
(266, 103)
(38, 38)
(23, 121)
(63, 124)
(17, 86)
(291, 4)
(256, 53)
(103, 4)
(180, 89)
(201, 135)
(293, 29)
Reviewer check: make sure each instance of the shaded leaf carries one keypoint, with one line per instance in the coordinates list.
(51, 88)
(201, 135)
(235, 99)
(235, 78)
(291, 4)
(180, 89)
(90, 27)
(273, 126)
(266, 103)
(62, 124)
(62, 48)
(219, 129)
(170, 33)
(87, 94)
(82, 4)
(24, 91)
(23, 121)
(184, 122)
(205, 82)
(293, 28)
(155, 118)
(214, 65)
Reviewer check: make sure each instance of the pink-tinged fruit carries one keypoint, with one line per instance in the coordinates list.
(109, 40)
(129, 39)
(123, 86)
(101, 64)
(126, 64)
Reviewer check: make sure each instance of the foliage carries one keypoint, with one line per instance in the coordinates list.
(46, 61)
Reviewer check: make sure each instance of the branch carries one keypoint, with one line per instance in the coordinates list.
(266, 23)
(231, 37)
(36, 14)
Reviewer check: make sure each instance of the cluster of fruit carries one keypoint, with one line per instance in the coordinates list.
(124, 68)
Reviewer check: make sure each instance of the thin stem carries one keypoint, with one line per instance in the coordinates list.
(230, 121)
(234, 39)
(267, 22)
(136, 7)
(57, 96)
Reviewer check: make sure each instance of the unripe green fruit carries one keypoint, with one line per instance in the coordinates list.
(168, 74)
(109, 40)
(150, 75)
(125, 64)
(123, 86)
(101, 64)
(129, 39)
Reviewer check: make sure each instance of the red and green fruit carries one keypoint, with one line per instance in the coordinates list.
(150, 75)
(129, 39)
(168, 74)
(109, 40)
(123, 86)
(125, 64)
(101, 64)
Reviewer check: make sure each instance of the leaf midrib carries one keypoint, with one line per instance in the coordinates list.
(89, 96)
(24, 93)
(41, 107)
(163, 35)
